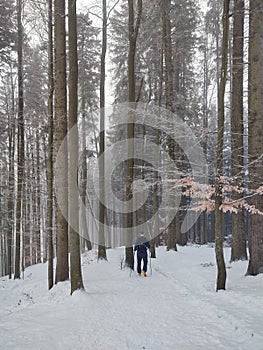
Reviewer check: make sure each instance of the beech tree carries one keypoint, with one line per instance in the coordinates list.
(102, 211)
(20, 142)
(74, 241)
(255, 145)
(170, 104)
(62, 268)
(239, 250)
(219, 237)
(50, 167)
(133, 34)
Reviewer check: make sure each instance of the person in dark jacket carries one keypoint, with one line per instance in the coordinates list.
(141, 246)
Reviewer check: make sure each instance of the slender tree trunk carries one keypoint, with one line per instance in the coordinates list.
(102, 248)
(28, 189)
(44, 142)
(10, 205)
(38, 202)
(218, 33)
(238, 251)
(255, 144)
(205, 131)
(33, 201)
(62, 269)
(20, 140)
(74, 241)
(169, 96)
(167, 45)
(155, 199)
(133, 34)
(11, 176)
(219, 237)
(50, 171)
(84, 224)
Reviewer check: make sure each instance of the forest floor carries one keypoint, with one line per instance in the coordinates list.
(174, 308)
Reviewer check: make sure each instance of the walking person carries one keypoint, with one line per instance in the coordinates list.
(141, 246)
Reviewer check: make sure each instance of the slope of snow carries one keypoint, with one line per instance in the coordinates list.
(175, 307)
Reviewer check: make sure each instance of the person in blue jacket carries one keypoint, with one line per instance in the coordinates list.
(141, 246)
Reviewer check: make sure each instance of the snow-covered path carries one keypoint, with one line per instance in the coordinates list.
(175, 307)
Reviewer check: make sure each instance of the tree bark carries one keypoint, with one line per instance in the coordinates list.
(84, 188)
(20, 140)
(205, 131)
(255, 144)
(219, 237)
(50, 170)
(38, 202)
(74, 241)
(11, 176)
(133, 34)
(102, 248)
(169, 97)
(62, 269)
(238, 251)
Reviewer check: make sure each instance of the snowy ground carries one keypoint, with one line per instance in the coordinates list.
(174, 308)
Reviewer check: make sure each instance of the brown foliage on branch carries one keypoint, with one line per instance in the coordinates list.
(203, 195)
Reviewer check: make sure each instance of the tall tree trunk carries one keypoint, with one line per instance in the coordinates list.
(84, 224)
(133, 34)
(205, 131)
(74, 241)
(11, 176)
(44, 142)
(38, 201)
(219, 237)
(10, 205)
(102, 248)
(167, 46)
(33, 201)
(28, 190)
(169, 97)
(20, 139)
(238, 251)
(50, 171)
(255, 144)
(62, 269)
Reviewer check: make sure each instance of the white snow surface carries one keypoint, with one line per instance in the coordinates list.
(174, 308)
